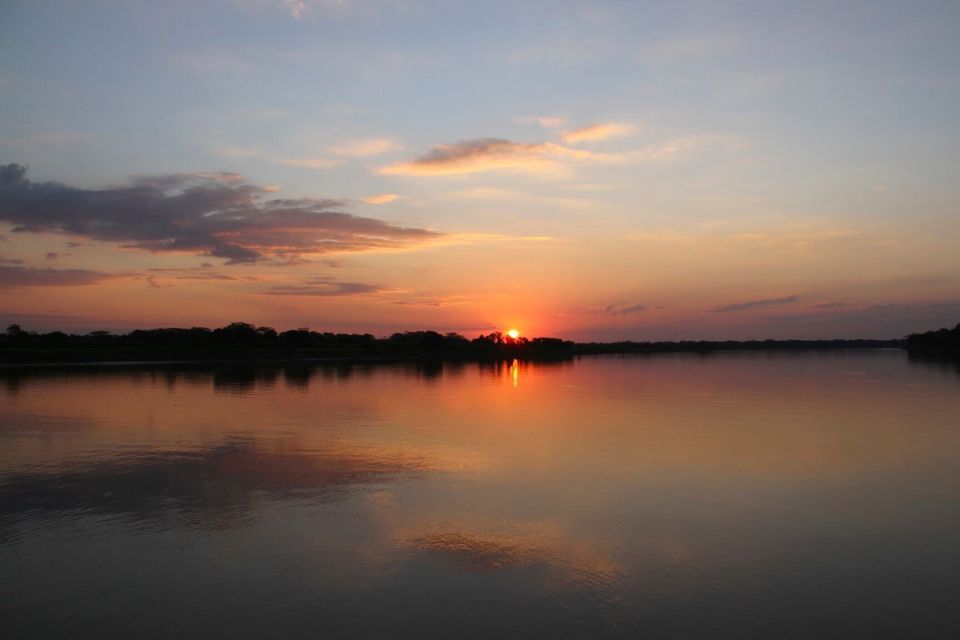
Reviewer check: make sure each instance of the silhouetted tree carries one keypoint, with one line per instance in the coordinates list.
(942, 341)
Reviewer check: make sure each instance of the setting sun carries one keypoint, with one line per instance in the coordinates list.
(730, 231)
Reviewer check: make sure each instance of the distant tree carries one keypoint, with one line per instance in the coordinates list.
(550, 342)
(268, 333)
(492, 338)
(945, 341)
(237, 334)
(297, 338)
(420, 339)
(238, 327)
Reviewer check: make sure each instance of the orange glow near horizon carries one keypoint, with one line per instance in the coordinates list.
(587, 210)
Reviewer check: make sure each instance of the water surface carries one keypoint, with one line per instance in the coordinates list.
(740, 495)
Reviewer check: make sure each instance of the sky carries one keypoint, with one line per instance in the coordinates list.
(588, 170)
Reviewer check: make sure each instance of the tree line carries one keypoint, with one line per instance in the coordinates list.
(942, 342)
(241, 339)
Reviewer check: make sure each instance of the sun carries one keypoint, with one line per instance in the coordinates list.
(513, 333)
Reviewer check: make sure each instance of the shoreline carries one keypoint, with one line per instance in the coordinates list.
(109, 358)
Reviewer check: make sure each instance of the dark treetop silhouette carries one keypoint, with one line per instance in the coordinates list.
(242, 341)
(944, 342)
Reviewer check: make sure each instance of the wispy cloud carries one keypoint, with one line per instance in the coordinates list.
(670, 150)
(754, 304)
(364, 148)
(324, 287)
(216, 214)
(296, 8)
(382, 198)
(491, 154)
(498, 154)
(891, 320)
(306, 163)
(51, 138)
(598, 132)
(236, 152)
(23, 277)
(625, 309)
(430, 301)
(301, 9)
(484, 193)
(204, 273)
(547, 122)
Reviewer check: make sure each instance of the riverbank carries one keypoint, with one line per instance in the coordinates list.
(389, 351)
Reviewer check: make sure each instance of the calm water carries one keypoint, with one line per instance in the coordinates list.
(733, 496)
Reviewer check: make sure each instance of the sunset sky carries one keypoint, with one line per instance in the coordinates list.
(588, 170)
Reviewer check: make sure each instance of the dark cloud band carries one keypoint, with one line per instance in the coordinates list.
(18, 277)
(753, 304)
(216, 214)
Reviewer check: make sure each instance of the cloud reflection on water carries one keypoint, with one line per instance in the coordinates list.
(487, 547)
(210, 482)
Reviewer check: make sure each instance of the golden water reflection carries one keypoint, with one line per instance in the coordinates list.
(603, 495)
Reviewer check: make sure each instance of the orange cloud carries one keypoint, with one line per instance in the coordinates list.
(364, 148)
(382, 198)
(491, 154)
(307, 163)
(598, 132)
